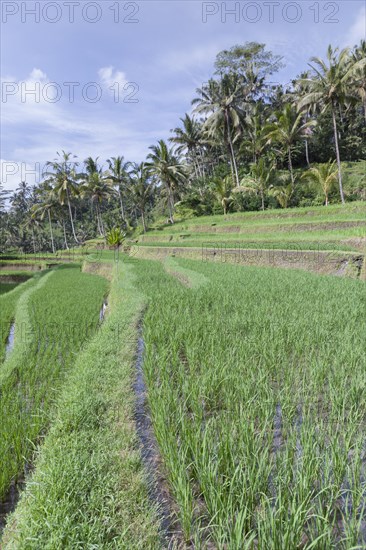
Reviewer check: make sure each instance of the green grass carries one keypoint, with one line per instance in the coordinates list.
(256, 384)
(335, 227)
(6, 287)
(89, 488)
(52, 321)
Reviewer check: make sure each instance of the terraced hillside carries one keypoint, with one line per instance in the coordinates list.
(330, 239)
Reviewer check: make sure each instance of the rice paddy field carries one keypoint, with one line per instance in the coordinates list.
(331, 228)
(214, 406)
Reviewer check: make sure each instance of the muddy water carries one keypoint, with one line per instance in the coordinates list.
(9, 502)
(158, 487)
(102, 311)
(10, 341)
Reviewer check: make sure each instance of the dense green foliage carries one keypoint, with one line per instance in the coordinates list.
(249, 144)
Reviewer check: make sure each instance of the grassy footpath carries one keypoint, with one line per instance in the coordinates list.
(88, 489)
(256, 384)
(52, 321)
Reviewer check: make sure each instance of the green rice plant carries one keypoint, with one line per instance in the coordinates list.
(89, 489)
(256, 385)
(53, 319)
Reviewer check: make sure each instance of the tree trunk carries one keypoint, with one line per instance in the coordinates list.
(170, 206)
(337, 154)
(307, 153)
(34, 242)
(262, 198)
(232, 155)
(291, 168)
(65, 239)
(121, 202)
(51, 232)
(326, 199)
(71, 220)
(143, 221)
(101, 222)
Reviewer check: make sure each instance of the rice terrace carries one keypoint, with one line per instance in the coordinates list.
(183, 300)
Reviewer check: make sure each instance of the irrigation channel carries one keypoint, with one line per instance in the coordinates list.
(171, 533)
(8, 504)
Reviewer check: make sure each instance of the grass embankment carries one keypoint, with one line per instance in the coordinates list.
(256, 384)
(88, 489)
(52, 321)
(8, 303)
(334, 227)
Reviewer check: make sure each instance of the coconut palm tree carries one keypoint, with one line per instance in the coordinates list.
(359, 71)
(118, 175)
(287, 129)
(31, 223)
(324, 175)
(328, 88)
(98, 190)
(222, 101)
(283, 194)
(48, 203)
(190, 140)
(3, 197)
(141, 190)
(64, 179)
(258, 180)
(222, 188)
(168, 170)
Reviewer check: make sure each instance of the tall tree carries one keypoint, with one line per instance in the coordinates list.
(141, 190)
(190, 140)
(119, 176)
(222, 102)
(98, 190)
(168, 169)
(287, 129)
(328, 87)
(64, 178)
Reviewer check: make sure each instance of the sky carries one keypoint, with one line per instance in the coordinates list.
(111, 77)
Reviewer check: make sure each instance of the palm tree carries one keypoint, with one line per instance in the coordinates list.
(328, 87)
(288, 128)
(222, 102)
(47, 204)
(258, 180)
(323, 175)
(283, 194)
(256, 137)
(359, 71)
(98, 190)
(64, 178)
(141, 190)
(32, 224)
(168, 170)
(222, 188)
(3, 197)
(118, 175)
(189, 139)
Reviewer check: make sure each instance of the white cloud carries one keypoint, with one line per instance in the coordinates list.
(109, 77)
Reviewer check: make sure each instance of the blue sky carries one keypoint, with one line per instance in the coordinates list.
(155, 52)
